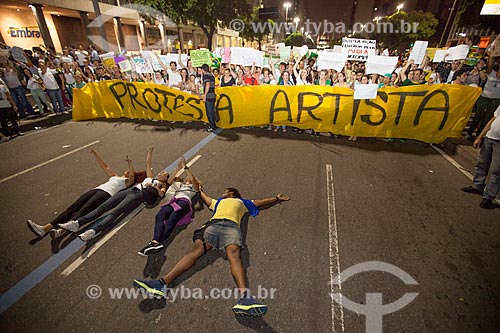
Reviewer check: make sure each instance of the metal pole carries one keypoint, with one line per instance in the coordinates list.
(447, 23)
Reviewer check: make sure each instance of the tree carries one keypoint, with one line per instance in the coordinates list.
(295, 39)
(206, 14)
(469, 16)
(255, 29)
(399, 40)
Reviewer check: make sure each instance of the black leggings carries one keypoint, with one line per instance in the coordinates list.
(86, 203)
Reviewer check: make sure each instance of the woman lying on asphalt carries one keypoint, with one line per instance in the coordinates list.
(176, 212)
(90, 200)
(150, 191)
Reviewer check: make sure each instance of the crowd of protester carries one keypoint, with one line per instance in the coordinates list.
(50, 79)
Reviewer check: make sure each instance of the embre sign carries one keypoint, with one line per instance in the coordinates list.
(24, 32)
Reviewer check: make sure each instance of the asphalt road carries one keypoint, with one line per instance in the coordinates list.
(394, 203)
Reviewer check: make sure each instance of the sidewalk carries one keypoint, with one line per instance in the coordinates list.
(43, 121)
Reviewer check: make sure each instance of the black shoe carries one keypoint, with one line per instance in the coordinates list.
(470, 189)
(487, 204)
(150, 249)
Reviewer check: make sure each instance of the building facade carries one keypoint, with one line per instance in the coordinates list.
(111, 25)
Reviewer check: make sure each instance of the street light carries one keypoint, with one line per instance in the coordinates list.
(400, 6)
(287, 5)
(296, 20)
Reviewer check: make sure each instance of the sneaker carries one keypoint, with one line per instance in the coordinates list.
(248, 306)
(150, 249)
(487, 204)
(72, 226)
(87, 235)
(36, 228)
(473, 190)
(153, 287)
(56, 233)
(209, 129)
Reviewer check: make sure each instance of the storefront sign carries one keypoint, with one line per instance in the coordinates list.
(24, 32)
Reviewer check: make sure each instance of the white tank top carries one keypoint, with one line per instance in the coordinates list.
(113, 185)
(180, 190)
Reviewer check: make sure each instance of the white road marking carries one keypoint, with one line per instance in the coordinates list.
(188, 164)
(334, 249)
(90, 251)
(454, 163)
(458, 166)
(46, 162)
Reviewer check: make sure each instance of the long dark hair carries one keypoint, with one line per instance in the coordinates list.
(139, 176)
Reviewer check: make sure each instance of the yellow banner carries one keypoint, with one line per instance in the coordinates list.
(426, 113)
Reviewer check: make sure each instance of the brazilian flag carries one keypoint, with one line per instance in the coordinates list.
(216, 61)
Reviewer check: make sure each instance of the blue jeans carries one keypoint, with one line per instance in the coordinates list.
(56, 99)
(210, 110)
(122, 202)
(19, 95)
(489, 160)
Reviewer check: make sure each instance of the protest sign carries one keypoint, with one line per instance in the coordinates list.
(142, 66)
(380, 64)
(358, 49)
(330, 60)
(459, 52)
(422, 112)
(125, 65)
(418, 51)
(439, 55)
(200, 57)
(151, 58)
(365, 91)
(273, 50)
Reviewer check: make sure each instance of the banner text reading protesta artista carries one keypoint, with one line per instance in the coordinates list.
(426, 113)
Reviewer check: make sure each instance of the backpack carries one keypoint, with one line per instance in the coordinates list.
(150, 196)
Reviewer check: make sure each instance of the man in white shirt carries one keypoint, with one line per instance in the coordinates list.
(51, 87)
(174, 77)
(489, 159)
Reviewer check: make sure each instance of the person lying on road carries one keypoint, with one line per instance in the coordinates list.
(90, 200)
(176, 212)
(221, 232)
(150, 191)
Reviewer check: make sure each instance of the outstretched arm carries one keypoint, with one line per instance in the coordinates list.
(190, 175)
(171, 178)
(264, 202)
(103, 165)
(206, 199)
(149, 169)
(131, 172)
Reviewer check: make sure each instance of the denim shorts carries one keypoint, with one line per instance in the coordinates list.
(221, 233)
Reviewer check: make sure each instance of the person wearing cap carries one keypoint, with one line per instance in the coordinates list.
(386, 82)
(79, 80)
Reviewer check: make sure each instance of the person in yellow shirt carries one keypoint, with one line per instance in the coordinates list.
(221, 232)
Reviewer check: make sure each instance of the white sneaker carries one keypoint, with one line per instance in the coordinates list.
(72, 226)
(56, 233)
(87, 235)
(36, 228)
